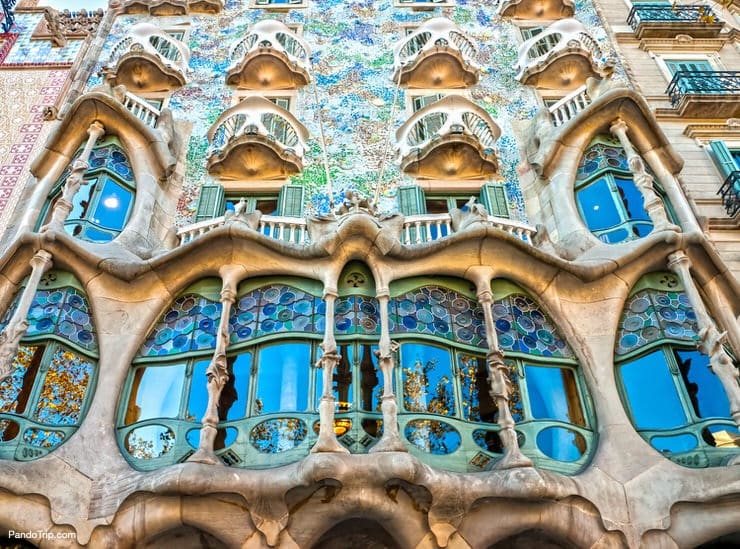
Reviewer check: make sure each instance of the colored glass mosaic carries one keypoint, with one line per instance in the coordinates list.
(190, 324)
(356, 315)
(652, 315)
(602, 156)
(63, 312)
(440, 312)
(523, 328)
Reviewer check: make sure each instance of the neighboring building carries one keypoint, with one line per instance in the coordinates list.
(391, 273)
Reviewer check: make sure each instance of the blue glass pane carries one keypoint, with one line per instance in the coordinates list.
(156, 392)
(65, 386)
(198, 399)
(427, 379)
(282, 378)
(651, 393)
(435, 437)
(561, 444)
(150, 441)
(113, 205)
(278, 435)
(707, 396)
(241, 371)
(553, 394)
(341, 380)
(631, 199)
(674, 444)
(597, 205)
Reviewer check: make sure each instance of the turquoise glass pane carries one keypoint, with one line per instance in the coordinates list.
(237, 389)
(651, 393)
(198, 399)
(282, 378)
(561, 444)
(708, 397)
(427, 379)
(114, 202)
(674, 444)
(553, 394)
(156, 392)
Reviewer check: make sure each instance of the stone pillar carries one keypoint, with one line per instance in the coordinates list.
(64, 205)
(643, 180)
(11, 336)
(390, 441)
(710, 339)
(327, 441)
(217, 374)
(498, 377)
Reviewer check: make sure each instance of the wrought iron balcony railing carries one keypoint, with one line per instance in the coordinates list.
(654, 13)
(730, 193)
(687, 83)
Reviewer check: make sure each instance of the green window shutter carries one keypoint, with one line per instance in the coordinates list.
(722, 158)
(411, 200)
(290, 201)
(210, 203)
(493, 197)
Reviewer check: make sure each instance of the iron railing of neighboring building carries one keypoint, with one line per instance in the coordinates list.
(667, 13)
(9, 18)
(730, 193)
(703, 83)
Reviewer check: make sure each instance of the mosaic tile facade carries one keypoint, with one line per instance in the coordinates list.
(352, 89)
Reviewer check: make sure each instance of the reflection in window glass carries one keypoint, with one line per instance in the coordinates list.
(64, 388)
(651, 393)
(477, 404)
(708, 397)
(427, 379)
(198, 399)
(553, 394)
(156, 392)
(15, 390)
(282, 378)
(597, 206)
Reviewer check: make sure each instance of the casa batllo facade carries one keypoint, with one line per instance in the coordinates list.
(395, 273)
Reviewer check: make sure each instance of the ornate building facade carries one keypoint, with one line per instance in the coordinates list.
(394, 273)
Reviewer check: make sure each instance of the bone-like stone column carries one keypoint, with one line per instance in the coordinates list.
(643, 180)
(390, 441)
(11, 336)
(327, 441)
(498, 375)
(217, 373)
(711, 340)
(74, 181)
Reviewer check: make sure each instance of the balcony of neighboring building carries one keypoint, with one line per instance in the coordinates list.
(668, 21)
(436, 55)
(270, 57)
(729, 192)
(537, 9)
(561, 57)
(166, 8)
(452, 138)
(148, 59)
(256, 139)
(705, 94)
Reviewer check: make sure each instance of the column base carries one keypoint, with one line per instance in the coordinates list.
(390, 441)
(327, 441)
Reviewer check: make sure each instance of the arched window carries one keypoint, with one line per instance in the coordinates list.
(608, 200)
(674, 399)
(45, 398)
(102, 206)
(447, 411)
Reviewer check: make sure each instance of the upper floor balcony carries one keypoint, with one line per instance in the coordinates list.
(172, 7)
(452, 138)
(436, 55)
(148, 59)
(705, 94)
(668, 21)
(269, 57)
(730, 194)
(537, 9)
(256, 139)
(561, 57)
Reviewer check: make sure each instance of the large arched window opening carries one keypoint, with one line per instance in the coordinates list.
(103, 204)
(674, 399)
(607, 198)
(447, 414)
(46, 396)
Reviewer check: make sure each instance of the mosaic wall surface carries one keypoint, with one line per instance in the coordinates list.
(352, 66)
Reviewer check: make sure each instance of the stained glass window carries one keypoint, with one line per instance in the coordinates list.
(44, 399)
(675, 400)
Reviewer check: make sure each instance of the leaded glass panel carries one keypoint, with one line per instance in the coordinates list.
(427, 379)
(65, 385)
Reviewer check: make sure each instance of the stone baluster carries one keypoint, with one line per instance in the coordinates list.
(217, 374)
(11, 336)
(711, 340)
(498, 376)
(74, 181)
(327, 441)
(643, 180)
(390, 441)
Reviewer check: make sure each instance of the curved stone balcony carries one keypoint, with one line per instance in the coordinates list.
(172, 7)
(561, 57)
(450, 139)
(537, 9)
(256, 139)
(148, 60)
(436, 55)
(270, 57)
